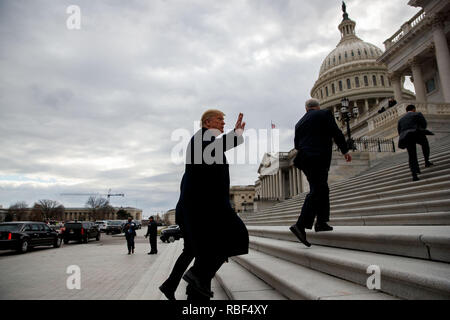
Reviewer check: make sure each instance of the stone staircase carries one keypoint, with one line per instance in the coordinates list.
(381, 219)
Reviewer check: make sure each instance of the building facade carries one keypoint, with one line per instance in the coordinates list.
(242, 198)
(420, 49)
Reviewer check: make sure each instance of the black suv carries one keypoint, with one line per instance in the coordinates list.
(114, 227)
(171, 233)
(80, 231)
(24, 235)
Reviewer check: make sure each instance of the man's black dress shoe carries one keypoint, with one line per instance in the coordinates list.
(428, 164)
(194, 281)
(322, 227)
(415, 177)
(300, 234)
(170, 294)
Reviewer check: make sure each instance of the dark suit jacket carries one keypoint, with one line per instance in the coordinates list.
(204, 213)
(314, 135)
(131, 226)
(152, 229)
(409, 127)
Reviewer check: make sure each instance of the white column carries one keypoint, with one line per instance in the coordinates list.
(442, 56)
(397, 85)
(294, 177)
(419, 84)
(277, 187)
(281, 185)
(366, 105)
(290, 182)
(299, 181)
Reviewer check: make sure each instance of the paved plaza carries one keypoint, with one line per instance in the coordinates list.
(107, 271)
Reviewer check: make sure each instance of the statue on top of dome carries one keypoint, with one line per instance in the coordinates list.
(344, 9)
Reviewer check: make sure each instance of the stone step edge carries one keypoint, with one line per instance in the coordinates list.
(397, 282)
(413, 219)
(232, 272)
(409, 245)
(295, 291)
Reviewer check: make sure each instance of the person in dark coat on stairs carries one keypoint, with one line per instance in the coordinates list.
(211, 229)
(412, 130)
(152, 232)
(313, 140)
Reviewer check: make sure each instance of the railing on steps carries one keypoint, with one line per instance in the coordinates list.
(371, 145)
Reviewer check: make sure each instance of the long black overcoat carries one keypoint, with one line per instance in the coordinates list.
(314, 135)
(209, 224)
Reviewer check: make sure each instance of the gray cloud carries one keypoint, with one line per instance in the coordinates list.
(93, 109)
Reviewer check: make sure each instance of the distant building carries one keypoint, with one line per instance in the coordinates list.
(169, 217)
(242, 198)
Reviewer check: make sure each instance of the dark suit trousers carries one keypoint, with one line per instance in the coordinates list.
(317, 202)
(412, 152)
(180, 267)
(205, 268)
(153, 246)
(130, 243)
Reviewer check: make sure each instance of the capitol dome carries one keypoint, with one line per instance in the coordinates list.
(351, 71)
(348, 51)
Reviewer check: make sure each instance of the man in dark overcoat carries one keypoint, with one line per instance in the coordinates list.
(211, 229)
(314, 135)
(412, 130)
(152, 233)
(130, 232)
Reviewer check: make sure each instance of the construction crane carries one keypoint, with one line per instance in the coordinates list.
(109, 194)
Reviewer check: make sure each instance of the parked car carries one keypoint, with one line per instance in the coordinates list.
(24, 235)
(101, 225)
(80, 231)
(171, 233)
(138, 224)
(114, 227)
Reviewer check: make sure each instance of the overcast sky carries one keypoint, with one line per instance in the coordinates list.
(84, 111)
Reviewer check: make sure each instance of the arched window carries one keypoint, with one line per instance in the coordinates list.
(346, 55)
(374, 80)
(353, 54)
(326, 91)
(357, 82)
(382, 80)
(321, 94)
(366, 81)
(339, 58)
(340, 85)
(359, 52)
(365, 52)
(349, 85)
(333, 90)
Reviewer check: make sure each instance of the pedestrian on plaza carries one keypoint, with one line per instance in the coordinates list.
(211, 229)
(130, 232)
(152, 232)
(412, 130)
(314, 135)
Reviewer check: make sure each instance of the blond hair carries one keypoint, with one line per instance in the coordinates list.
(209, 114)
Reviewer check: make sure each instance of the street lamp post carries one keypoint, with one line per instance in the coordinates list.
(345, 115)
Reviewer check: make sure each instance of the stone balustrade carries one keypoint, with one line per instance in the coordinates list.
(406, 28)
(394, 113)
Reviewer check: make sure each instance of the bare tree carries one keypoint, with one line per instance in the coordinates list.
(99, 208)
(18, 211)
(45, 210)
